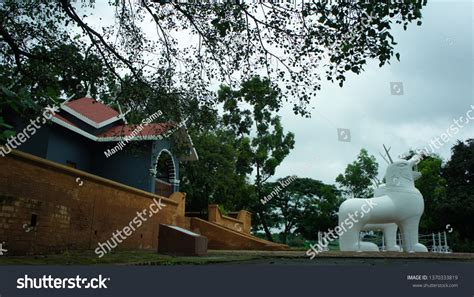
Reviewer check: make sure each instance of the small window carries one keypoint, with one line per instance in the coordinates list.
(71, 164)
(95, 232)
(34, 219)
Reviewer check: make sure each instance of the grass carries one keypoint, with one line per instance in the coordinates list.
(121, 258)
(294, 255)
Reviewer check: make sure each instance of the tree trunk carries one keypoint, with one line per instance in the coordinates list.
(265, 227)
(260, 212)
(284, 235)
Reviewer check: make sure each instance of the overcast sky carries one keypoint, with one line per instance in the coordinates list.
(436, 71)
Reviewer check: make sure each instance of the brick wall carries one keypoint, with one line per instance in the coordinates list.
(242, 222)
(71, 213)
(222, 238)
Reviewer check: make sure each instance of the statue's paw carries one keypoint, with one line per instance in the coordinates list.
(420, 248)
(368, 247)
(394, 248)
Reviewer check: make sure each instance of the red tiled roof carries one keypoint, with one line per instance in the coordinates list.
(56, 115)
(144, 130)
(92, 109)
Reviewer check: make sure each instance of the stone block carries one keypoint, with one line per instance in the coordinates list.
(179, 241)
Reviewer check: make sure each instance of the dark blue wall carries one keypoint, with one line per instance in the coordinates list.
(65, 145)
(37, 144)
(131, 166)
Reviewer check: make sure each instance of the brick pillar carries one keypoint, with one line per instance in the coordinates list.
(246, 218)
(213, 213)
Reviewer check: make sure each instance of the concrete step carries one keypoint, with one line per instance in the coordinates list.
(222, 238)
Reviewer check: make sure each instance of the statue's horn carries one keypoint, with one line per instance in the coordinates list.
(384, 158)
(387, 152)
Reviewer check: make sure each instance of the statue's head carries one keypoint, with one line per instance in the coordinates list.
(402, 173)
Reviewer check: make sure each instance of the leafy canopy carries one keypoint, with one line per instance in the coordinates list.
(360, 176)
(196, 44)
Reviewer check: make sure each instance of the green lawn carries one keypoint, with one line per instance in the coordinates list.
(292, 256)
(120, 258)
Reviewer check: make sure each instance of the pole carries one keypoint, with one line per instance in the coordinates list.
(399, 241)
(433, 248)
(439, 242)
(446, 248)
(383, 241)
(359, 244)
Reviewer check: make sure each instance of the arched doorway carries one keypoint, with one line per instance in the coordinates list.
(165, 174)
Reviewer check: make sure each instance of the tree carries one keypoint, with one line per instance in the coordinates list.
(360, 176)
(213, 178)
(24, 95)
(448, 194)
(458, 206)
(260, 138)
(302, 205)
(230, 42)
(246, 140)
(320, 212)
(433, 188)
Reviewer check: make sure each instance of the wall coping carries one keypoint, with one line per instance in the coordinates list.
(237, 212)
(79, 173)
(232, 219)
(223, 216)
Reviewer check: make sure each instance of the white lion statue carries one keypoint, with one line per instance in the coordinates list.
(396, 204)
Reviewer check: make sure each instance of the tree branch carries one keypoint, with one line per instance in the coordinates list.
(93, 34)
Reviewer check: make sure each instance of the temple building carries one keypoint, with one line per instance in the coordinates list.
(93, 137)
(73, 181)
